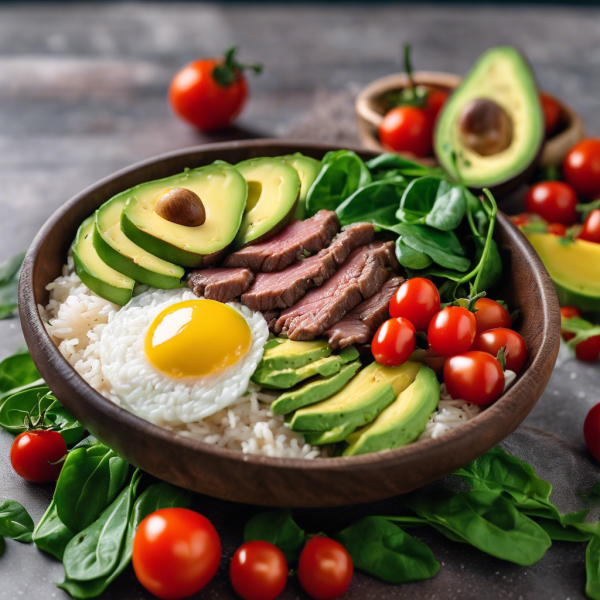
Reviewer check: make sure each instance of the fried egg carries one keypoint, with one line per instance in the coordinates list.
(174, 358)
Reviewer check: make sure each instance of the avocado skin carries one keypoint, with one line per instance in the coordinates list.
(393, 427)
(287, 378)
(293, 355)
(568, 297)
(314, 391)
(308, 169)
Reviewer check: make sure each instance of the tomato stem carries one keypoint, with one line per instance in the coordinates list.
(231, 69)
(409, 72)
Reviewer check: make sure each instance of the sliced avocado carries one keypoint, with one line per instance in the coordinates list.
(308, 169)
(401, 422)
(287, 378)
(574, 269)
(273, 342)
(374, 388)
(222, 191)
(314, 391)
(333, 436)
(348, 354)
(273, 190)
(123, 255)
(94, 272)
(292, 355)
(493, 124)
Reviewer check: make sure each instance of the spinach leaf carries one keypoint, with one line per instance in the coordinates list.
(342, 173)
(31, 401)
(17, 370)
(384, 163)
(51, 534)
(375, 203)
(410, 258)
(487, 521)
(592, 568)
(566, 534)
(89, 481)
(381, 549)
(9, 283)
(491, 270)
(15, 522)
(66, 424)
(279, 528)
(477, 212)
(435, 202)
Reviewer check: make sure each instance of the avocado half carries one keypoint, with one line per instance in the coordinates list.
(502, 76)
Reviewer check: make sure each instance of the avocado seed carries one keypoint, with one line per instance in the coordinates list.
(181, 206)
(485, 127)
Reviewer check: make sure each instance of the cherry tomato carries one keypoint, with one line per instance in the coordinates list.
(591, 431)
(552, 112)
(33, 454)
(176, 552)
(258, 571)
(436, 99)
(211, 92)
(515, 348)
(325, 568)
(406, 129)
(588, 350)
(490, 315)
(521, 219)
(475, 377)
(581, 168)
(557, 229)
(591, 228)
(416, 300)
(394, 342)
(554, 201)
(566, 312)
(452, 331)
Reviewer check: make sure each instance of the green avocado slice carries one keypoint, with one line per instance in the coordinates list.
(333, 436)
(223, 192)
(292, 355)
(273, 190)
(308, 169)
(123, 255)
(401, 422)
(287, 378)
(94, 272)
(314, 391)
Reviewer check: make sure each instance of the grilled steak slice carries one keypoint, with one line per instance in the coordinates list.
(219, 283)
(285, 288)
(282, 250)
(359, 278)
(360, 325)
(271, 317)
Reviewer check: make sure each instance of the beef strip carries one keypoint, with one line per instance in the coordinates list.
(285, 288)
(220, 284)
(360, 325)
(282, 250)
(271, 317)
(359, 278)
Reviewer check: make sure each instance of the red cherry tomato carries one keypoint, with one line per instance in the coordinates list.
(554, 201)
(581, 168)
(406, 129)
(416, 300)
(591, 431)
(394, 342)
(591, 228)
(33, 453)
(588, 350)
(325, 568)
(176, 552)
(521, 219)
(436, 99)
(452, 331)
(566, 312)
(557, 229)
(515, 348)
(490, 315)
(552, 112)
(258, 571)
(475, 377)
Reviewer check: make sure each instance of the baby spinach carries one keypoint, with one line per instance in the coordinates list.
(491, 269)
(9, 283)
(15, 522)
(279, 528)
(15, 410)
(410, 258)
(17, 370)
(398, 165)
(556, 531)
(89, 481)
(51, 534)
(592, 568)
(342, 173)
(65, 423)
(381, 549)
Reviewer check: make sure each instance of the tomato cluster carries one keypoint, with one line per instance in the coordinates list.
(470, 341)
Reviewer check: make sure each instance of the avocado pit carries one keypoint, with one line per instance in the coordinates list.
(181, 206)
(485, 127)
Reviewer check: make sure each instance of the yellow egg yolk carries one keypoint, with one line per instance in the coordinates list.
(195, 338)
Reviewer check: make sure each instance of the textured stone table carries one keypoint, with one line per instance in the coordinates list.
(82, 93)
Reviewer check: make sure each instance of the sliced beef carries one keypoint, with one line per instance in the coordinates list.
(360, 325)
(284, 288)
(220, 284)
(271, 317)
(282, 250)
(359, 278)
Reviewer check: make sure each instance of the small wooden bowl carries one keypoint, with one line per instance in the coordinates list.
(371, 106)
(262, 480)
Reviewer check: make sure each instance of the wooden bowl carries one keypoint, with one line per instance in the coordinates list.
(276, 481)
(371, 106)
